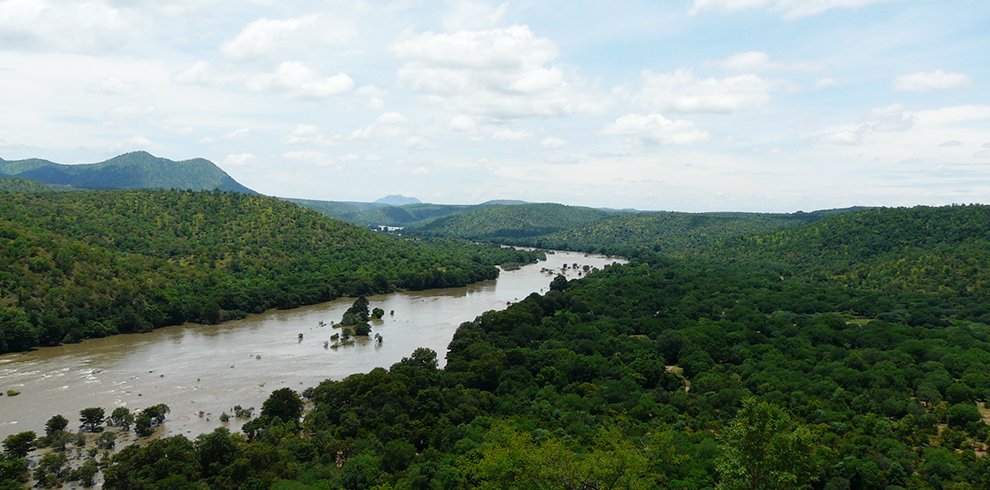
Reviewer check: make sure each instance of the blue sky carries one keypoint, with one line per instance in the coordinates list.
(694, 105)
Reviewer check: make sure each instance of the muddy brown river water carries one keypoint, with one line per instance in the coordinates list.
(211, 368)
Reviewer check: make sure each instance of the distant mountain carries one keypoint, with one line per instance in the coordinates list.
(398, 200)
(136, 170)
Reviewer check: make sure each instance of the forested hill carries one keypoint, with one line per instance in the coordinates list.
(136, 170)
(508, 222)
(378, 214)
(733, 369)
(669, 233)
(940, 250)
(86, 264)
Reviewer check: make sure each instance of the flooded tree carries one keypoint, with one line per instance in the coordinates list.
(91, 419)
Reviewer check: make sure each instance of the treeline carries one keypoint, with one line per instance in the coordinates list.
(667, 233)
(89, 264)
(739, 372)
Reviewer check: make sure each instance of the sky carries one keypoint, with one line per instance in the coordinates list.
(685, 105)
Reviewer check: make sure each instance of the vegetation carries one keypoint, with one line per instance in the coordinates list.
(667, 233)
(712, 371)
(508, 223)
(89, 264)
(136, 170)
(379, 214)
(849, 352)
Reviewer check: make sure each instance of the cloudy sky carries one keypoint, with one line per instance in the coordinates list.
(691, 105)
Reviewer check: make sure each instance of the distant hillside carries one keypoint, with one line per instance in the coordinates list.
(941, 250)
(136, 170)
(663, 232)
(375, 214)
(397, 200)
(88, 264)
(509, 222)
(26, 185)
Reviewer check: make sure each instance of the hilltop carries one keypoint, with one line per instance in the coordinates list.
(135, 170)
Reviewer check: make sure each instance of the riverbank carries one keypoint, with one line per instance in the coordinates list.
(211, 368)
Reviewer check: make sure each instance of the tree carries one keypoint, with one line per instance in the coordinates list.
(121, 417)
(961, 414)
(377, 313)
(86, 474)
(91, 419)
(217, 450)
(19, 445)
(762, 448)
(284, 404)
(55, 425)
(143, 424)
(51, 470)
(558, 283)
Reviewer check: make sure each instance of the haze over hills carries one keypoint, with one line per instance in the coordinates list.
(397, 200)
(135, 170)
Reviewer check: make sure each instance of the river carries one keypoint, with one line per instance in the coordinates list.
(210, 368)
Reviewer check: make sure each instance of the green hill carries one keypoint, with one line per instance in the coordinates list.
(941, 250)
(507, 223)
(378, 214)
(86, 264)
(668, 233)
(137, 170)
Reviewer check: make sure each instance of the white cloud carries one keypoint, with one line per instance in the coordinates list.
(924, 81)
(823, 83)
(239, 134)
(552, 142)
(391, 118)
(207, 140)
(265, 38)
(655, 128)
(474, 15)
(504, 73)
(199, 73)
(954, 115)
(387, 125)
(310, 157)
(890, 119)
(418, 143)
(508, 134)
(112, 86)
(376, 103)
(681, 91)
(752, 61)
(126, 113)
(790, 9)
(298, 80)
(239, 159)
(140, 141)
(65, 26)
(304, 134)
(463, 123)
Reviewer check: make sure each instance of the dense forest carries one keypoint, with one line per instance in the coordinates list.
(87, 264)
(509, 223)
(764, 361)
